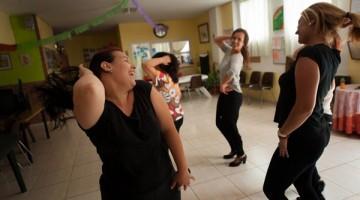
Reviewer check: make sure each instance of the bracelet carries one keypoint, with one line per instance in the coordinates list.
(280, 135)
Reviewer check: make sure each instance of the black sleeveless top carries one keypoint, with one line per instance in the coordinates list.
(328, 61)
(135, 158)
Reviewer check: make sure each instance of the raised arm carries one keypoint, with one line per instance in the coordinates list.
(88, 98)
(172, 138)
(219, 41)
(149, 66)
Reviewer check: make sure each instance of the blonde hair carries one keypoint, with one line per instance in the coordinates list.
(328, 18)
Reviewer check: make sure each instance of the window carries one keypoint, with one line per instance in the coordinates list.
(181, 49)
(254, 18)
(291, 16)
(144, 51)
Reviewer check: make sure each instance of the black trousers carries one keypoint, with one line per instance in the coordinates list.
(178, 123)
(305, 146)
(316, 177)
(227, 114)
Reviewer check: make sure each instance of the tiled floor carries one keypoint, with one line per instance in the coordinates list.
(67, 167)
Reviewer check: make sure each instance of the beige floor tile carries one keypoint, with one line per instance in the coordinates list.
(355, 197)
(83, 185)
(261, 196)
(249, 182)
(87, 157)
(204, 172)
(88, 196)
(217, 189)
(52, 178)
(346, 176)
(333, 191)
(87, 169)
(54, 192)
(188, 194)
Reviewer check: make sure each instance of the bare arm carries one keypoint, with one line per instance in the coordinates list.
(307, 78)
(171, 136)
(219, 41)
(88, 98)
(149, 66)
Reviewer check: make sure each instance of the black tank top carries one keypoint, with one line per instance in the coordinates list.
(328, 61)
(135, 158)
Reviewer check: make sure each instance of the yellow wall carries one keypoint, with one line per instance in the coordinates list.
(226, 17)
(6, 32)
(45, 30)
(204, 47)
(139, 32)
(74, 47)
(354, 70)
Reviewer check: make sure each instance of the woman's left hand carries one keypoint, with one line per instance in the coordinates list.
(283, 150)
(182, 179)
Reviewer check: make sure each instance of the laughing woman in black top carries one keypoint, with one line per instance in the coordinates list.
(127, 121)
(299, 111)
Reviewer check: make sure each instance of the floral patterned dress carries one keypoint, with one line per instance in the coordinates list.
(171, 94)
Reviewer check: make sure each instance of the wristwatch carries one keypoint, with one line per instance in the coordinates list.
(282, 136)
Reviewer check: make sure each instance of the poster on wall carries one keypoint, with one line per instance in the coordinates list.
(278, 19)
(25, 59)
(278, 50)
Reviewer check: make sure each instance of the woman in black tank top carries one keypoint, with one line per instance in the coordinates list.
(130, 126)
(299, 111)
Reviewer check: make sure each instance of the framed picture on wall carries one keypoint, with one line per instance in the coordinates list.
(354, 49)
(5, 61)
(204, 33)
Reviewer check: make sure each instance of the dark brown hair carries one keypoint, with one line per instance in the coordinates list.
(172, 68)
(245, 48)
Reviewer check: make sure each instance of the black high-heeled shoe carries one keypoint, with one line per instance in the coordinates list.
(238, 160)
(229, 155)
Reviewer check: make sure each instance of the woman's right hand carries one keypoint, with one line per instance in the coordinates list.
(225, 88)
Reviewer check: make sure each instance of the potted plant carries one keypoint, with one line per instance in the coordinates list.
(212, 83)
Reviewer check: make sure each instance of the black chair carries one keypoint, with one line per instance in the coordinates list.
(242, 78)
(253, 82)
(255, 78)
(8, 103)
(267, 83)
(8, 144)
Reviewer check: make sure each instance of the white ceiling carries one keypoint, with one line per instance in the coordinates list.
(66, 14)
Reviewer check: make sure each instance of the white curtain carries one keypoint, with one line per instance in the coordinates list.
(254, 17)
(291, 16)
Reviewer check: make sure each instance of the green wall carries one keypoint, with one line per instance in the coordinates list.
(27, 73)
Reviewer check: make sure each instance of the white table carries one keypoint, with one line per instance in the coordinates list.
(346, 114)
(184, 81)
